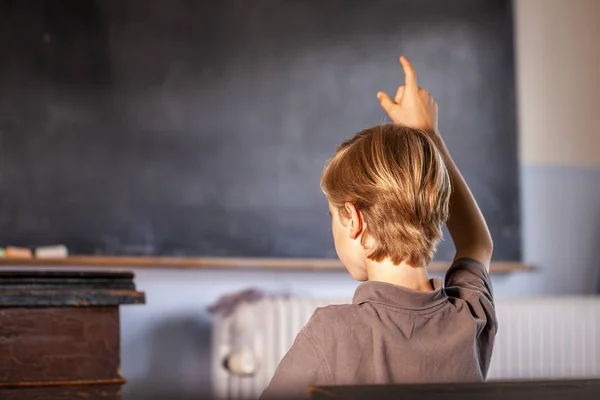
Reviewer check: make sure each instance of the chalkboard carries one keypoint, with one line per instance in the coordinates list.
(200, 128)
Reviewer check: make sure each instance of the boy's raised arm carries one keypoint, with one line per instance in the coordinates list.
(415, 107)
(466, 223)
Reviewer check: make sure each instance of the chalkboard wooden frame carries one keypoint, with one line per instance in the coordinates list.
(318, 264)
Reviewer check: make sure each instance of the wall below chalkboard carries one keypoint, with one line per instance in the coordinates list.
(199, 129)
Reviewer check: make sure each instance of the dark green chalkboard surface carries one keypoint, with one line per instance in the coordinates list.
(200, 128)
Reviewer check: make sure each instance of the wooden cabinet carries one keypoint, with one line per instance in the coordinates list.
(60, 333)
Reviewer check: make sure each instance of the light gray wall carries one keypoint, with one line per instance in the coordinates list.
(558, 97)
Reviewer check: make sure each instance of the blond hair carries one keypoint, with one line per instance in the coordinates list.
(396, 177)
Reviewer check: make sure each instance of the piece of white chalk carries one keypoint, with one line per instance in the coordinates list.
(58, 251)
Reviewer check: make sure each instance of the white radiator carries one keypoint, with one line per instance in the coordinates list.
(537, 339)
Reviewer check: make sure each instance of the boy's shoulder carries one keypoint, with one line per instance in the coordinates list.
(467, 279)
(335, 318)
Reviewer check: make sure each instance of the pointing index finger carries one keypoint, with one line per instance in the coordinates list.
(410, 76)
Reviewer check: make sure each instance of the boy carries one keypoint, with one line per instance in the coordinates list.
(389, 192)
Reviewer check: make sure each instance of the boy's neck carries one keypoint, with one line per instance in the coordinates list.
(404, 275)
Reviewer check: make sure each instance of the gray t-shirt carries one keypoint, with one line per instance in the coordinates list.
(394, 335)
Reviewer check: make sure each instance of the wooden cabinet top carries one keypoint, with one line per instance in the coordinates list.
(72, 288)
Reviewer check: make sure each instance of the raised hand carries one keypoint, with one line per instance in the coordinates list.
(413, 107)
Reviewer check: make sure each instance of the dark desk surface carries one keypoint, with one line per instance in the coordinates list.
(514, 390)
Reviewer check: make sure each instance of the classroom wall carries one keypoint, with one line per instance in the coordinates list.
(558, 96)
(558, 60)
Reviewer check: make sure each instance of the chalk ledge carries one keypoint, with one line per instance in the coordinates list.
(320, 264)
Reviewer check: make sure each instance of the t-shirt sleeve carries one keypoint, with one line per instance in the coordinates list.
(303, 366)
(471, 275)
(468, 280)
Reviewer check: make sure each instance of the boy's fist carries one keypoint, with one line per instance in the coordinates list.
(412, 107)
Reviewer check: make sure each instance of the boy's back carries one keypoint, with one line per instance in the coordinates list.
(394, 335)
(390, 189)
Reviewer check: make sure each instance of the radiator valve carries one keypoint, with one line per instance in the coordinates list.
(241, 363)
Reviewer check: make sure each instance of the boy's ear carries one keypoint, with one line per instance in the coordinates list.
(355, 220)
